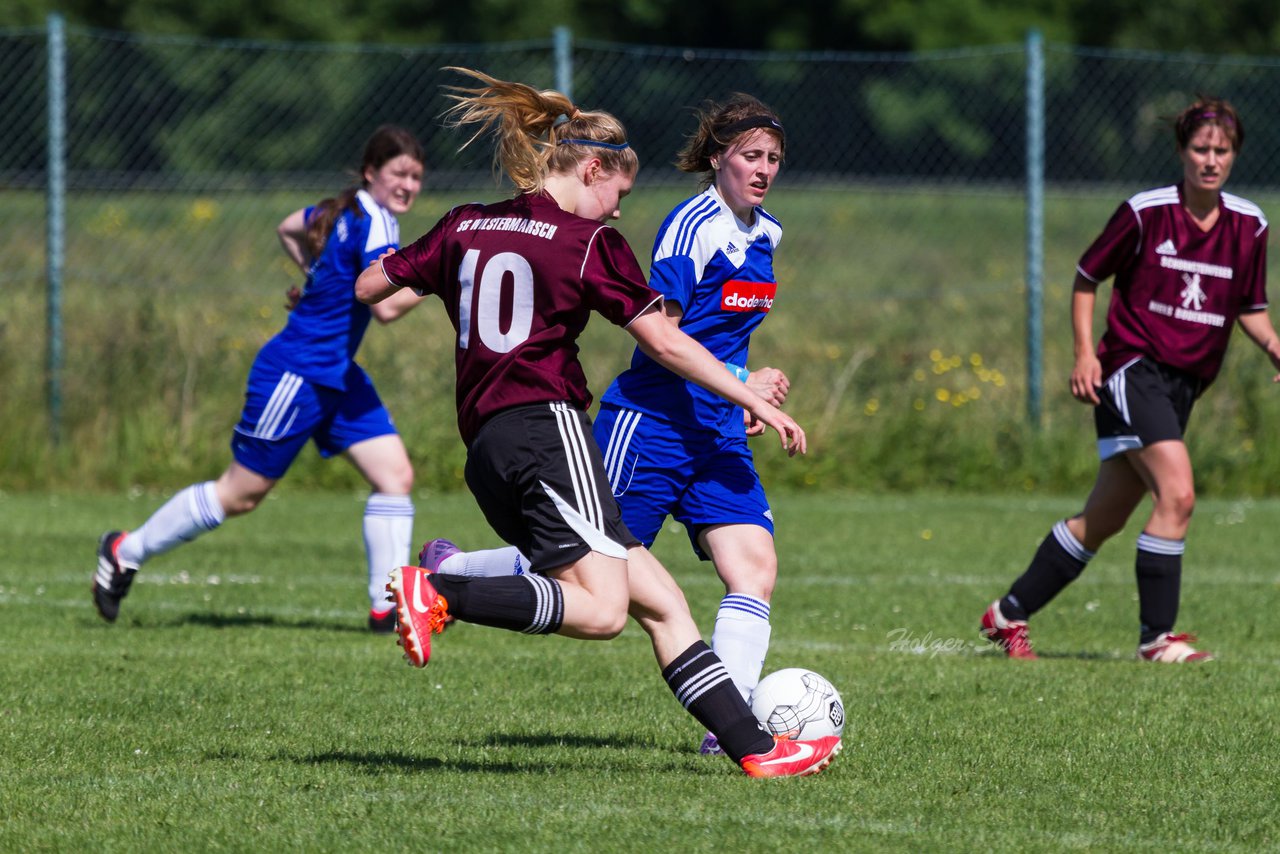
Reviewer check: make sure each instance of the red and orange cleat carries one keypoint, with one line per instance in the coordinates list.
(793, 758)
(422, 612)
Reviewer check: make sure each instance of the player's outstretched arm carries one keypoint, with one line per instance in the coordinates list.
(680, 354)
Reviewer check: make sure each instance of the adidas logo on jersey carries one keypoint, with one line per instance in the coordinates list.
(1167, 248)
(731, 250)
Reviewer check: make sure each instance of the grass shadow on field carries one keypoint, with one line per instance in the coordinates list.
(1085, 656)
(559, 739)
(374, 763)
(242, 621)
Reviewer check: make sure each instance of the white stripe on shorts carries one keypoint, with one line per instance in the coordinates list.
(268, 426)
(596, 539)
(619, 440)
(1113, 445)
(586, 496)
(1116, 383)
(586, 514)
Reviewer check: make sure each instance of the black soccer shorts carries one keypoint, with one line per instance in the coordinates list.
(1142, 403)
(538, 476)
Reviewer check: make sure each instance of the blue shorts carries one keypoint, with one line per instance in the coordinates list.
(282, 411)
(698, 477)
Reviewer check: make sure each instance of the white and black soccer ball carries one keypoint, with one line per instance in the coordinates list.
(798, 704)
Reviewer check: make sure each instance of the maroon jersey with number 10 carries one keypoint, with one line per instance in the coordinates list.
(520, 279)
(1178, 290)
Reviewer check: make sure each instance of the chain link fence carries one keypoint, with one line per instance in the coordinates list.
(904, 197)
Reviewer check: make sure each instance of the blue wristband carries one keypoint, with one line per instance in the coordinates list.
(738, 371)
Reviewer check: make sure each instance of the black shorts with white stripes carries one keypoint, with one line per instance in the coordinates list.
(538, 476)
(1142, 403)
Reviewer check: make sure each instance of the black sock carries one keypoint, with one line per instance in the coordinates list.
(702, 685)
(1159, 570)
(1058, 562)
(532, 603)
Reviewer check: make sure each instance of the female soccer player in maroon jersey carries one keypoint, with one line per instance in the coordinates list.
(519, 280)
(1189, 261)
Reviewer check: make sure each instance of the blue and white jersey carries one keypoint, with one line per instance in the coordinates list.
(326, 327)
(720, 271)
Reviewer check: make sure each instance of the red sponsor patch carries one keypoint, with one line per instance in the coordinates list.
(737, 295)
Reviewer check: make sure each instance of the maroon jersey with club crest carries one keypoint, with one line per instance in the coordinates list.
(1178, 290)
(520, 279)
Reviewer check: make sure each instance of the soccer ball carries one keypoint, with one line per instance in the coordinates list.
(798, 704)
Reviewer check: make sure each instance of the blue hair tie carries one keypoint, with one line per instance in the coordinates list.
(595, 143)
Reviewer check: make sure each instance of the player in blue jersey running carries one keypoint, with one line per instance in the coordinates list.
(305, 385)
(671, 447)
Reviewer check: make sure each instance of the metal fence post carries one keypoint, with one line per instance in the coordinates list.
(55, 224)
(1035, 222)
(564, 60)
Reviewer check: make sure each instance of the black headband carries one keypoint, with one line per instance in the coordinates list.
(752, 122)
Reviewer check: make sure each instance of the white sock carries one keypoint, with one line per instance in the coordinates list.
(388, 531)
(741, 639)
(181, 519)
(486, 563)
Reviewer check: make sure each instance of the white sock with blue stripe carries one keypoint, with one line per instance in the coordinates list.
(388, 533)
(486, 563)
(181, 519)
(741, 639)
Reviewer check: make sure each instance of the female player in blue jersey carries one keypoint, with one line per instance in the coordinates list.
(670, 446)
(305, 385)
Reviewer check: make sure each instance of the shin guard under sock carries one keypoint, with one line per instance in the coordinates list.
(1058, 562)
(533, 604)
(1158, 566)
(702, 685)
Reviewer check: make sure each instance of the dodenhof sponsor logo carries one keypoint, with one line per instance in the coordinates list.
(738, 295)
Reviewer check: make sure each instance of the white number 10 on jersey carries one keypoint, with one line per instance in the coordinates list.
(488, 300)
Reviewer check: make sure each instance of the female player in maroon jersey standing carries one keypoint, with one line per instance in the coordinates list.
(1189, 261)
(520, 279)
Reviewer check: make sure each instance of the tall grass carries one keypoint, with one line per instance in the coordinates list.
(901, 321)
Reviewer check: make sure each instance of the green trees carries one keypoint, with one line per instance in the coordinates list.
(1245, 27)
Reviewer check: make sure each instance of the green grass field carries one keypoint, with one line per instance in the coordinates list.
(239, 704)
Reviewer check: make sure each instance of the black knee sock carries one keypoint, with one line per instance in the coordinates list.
(698, 679)
(1058, 562)
(1159, 570)
(533, 604)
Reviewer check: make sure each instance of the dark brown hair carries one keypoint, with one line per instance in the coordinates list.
(386, 143)
(719, 124)
(537, 129)
(1208, 111)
